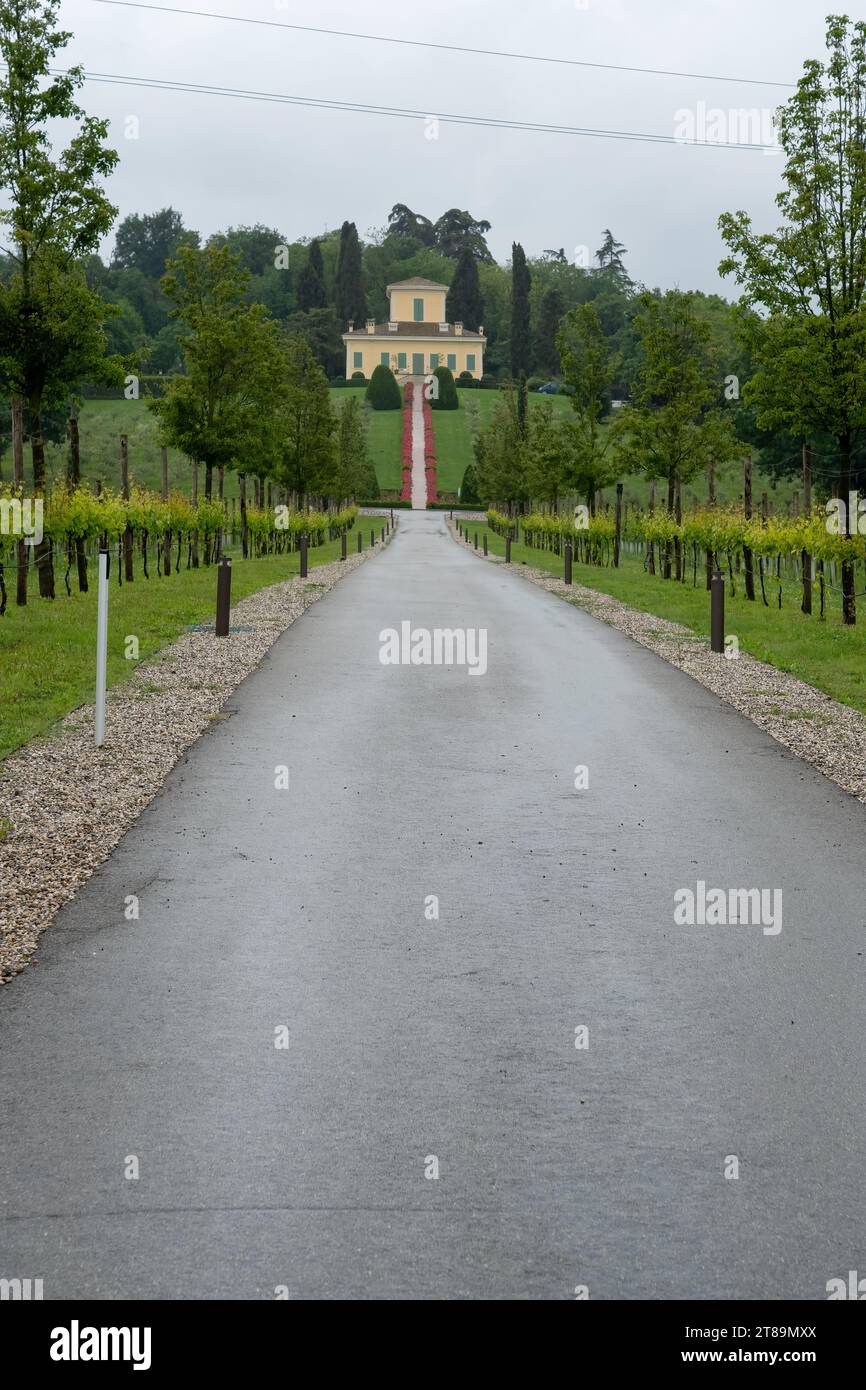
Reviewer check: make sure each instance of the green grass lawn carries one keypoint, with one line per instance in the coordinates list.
(826, 654)
(48, 649)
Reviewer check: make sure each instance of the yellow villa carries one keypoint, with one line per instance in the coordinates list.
(417, 337)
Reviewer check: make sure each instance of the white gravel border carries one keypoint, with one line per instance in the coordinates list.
(70, 803)
(820, 730)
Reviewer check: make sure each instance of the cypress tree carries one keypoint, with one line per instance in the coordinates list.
(465, 303)
(351, 302)
(521, 281)
(311, 281)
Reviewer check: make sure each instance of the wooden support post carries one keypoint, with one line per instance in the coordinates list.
(806, 558)
(748, 559)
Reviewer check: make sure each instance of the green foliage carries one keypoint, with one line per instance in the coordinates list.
(350, 300)
(521, 281)
(223, 411)
(305, 426)
(550, 314)
(147, 242)
(311, 281)
(384, 393)
(469, 486)
(589, 367)
(674, 428)
(446, 398)
(464, 303)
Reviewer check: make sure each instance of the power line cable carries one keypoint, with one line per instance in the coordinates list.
(442, 47)
(406, 113)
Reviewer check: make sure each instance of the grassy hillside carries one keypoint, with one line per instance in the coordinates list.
(101, 423)
(455, 430)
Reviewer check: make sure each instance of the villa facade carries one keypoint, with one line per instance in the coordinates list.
(417, 337)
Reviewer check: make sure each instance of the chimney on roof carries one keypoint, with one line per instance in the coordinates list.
(481, 330)
(371, 325)
(458, 329)
(351, 328)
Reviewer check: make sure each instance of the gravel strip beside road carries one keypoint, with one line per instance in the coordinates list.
(69, 803)
(825, 733)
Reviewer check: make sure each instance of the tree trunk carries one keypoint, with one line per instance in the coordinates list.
(242, 484)
(42, 554)
(849, 601)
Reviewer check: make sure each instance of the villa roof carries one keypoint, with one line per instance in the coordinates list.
(416, 282)
(414, 330)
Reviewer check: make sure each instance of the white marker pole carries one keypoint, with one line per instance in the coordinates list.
(101, 647)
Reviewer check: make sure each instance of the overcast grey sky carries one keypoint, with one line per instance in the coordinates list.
(223, 161)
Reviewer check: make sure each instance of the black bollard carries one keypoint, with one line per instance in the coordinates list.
(508, 550)
(360, 541)
(568, 562)
(304, 557)
(224, 596)
(476, 540)
(485, 542)
(343, 544)
(372, 538)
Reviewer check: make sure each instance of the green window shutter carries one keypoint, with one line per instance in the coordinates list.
(434, 361)
(385, 359)
(401, 361)
(452, 361)
(419, 310)
(470, 361)
(359, 359)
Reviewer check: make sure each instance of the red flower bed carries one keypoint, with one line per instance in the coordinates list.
(429, 452)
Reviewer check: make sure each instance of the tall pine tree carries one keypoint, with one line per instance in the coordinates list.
(521, 281)
(311, 281)
(351, 302)
(465, 304)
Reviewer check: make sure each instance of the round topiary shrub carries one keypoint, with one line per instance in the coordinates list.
(488, 382)
(445, 398)
(383, 393)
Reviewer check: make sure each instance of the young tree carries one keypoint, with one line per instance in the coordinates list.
(351, 303)
(311, 281)
(589, 366)
(356, 477)
(307, 425)
(521, 281)
(675, 427)
(55, 213)
(809, 276)
(465, 304)
(501, 455)
(221, 411)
